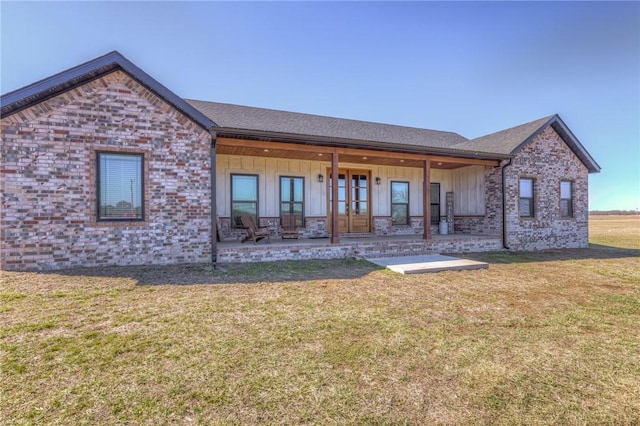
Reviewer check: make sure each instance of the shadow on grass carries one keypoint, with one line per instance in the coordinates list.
(237, 273)
(594, 251)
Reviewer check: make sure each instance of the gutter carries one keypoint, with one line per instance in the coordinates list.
(213, 209)
(504, 207)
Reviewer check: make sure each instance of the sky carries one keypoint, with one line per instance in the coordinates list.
(469, 67)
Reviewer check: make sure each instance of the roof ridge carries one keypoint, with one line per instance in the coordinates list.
(327, 116)
(542, 119)
(26, 96)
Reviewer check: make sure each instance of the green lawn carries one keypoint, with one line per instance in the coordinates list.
(538, 338)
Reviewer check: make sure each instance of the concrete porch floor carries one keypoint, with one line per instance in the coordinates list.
(357, 247)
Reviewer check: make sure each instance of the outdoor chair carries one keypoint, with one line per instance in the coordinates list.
(254, 233)
(289, 229)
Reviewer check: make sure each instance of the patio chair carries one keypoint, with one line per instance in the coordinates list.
(254, 233)
(289, 229)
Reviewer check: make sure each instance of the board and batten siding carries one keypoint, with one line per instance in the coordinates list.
(467, 183)
(469, 191)
(269, 171)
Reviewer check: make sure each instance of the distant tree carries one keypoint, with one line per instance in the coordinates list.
(614, 212)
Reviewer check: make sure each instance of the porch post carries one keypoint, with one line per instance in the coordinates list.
(426, 200)
(335, 238)
(213, 210)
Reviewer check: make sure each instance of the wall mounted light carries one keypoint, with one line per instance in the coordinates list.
(378, 181)
(320, 178)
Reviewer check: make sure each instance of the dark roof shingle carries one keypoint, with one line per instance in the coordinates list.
(504, 141)
(269, 120)
(510, 141)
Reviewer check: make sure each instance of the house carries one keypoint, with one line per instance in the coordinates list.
(102, 165)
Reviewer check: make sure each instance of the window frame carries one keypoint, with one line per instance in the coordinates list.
(401, 204)
(291, 202)
(532, 199)
(431, 204)
(237, 224)
(570, 209)
(99, 186)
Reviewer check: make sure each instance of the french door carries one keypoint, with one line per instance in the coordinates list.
(354, 204)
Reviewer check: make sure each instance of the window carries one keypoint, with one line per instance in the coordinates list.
(400, 203)
(526, 197)
(244, 198)
(292, 198)
(566, 198)
(120, 186)
(435, 203)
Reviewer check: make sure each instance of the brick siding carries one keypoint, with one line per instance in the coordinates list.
(548, 160)
(48, 208)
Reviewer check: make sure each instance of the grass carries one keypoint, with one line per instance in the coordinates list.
(538, 338)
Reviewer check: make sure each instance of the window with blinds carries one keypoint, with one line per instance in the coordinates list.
(120, 187)
(400, 203)
(566, 199)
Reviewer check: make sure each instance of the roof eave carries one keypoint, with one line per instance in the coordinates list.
(355, 143)
(568, 137)
(27, 96)
(565, 133)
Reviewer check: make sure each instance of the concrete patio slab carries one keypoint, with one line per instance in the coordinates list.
(427, 263)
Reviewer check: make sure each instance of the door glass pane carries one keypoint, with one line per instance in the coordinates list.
(285, 189)
(363, 194)
(298, 189)
(362, 208)
(435, 214)
(342, 207)
(363, 181)
(342, 194)
(435, 193)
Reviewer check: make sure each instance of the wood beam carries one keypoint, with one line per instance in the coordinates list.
(426, 208)
(335, 238)
(287, 146)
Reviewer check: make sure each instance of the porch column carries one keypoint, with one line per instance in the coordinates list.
(426, 200)
(214, 210)
(335, 238)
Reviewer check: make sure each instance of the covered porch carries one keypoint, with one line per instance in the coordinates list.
(378, 193)
(360, 247)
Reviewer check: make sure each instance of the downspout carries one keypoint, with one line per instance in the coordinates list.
(504, 207)
(213, 209)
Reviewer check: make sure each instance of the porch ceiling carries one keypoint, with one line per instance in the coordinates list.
(255, 148)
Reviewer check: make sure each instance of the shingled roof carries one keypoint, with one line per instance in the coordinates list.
(39, 91)
(269, 120)
(512, 140)
(260, 122)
